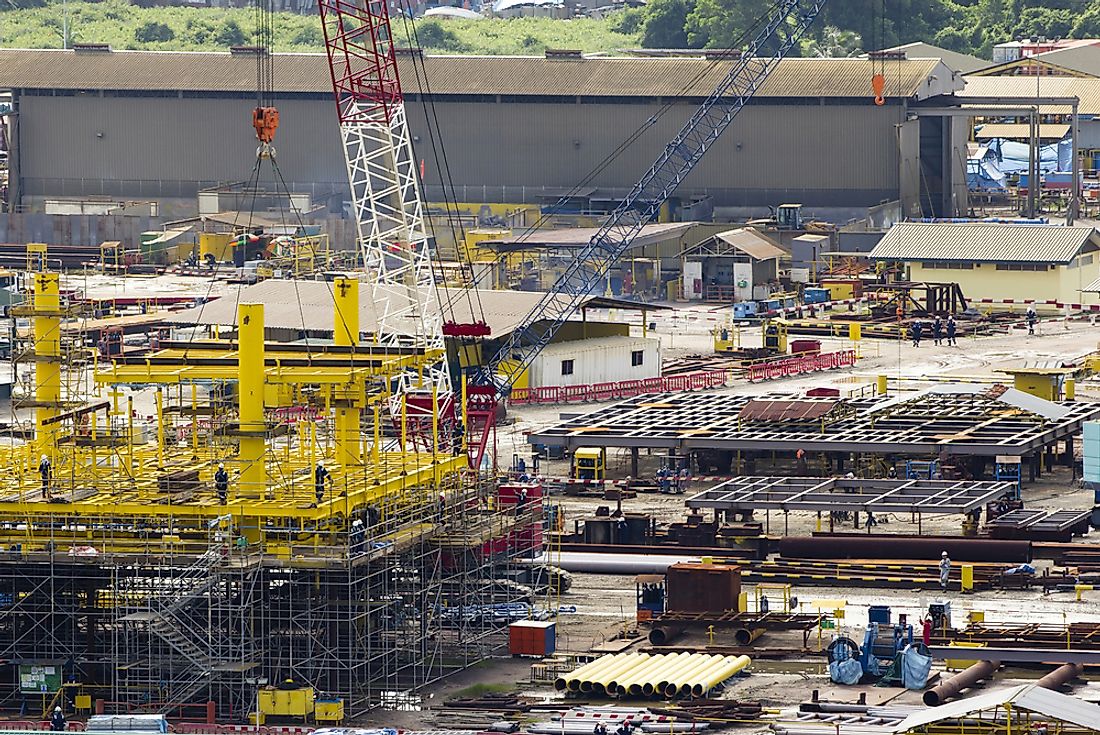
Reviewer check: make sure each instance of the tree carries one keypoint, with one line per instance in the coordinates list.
(431, 34)
(720, 23)
(21, 4)
(664, 25)
(1087, 24)
(152, 32)
(230, 34)
(834, 43)
(628, 22)
(309, 35)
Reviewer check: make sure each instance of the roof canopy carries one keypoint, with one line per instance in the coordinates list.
(308, 306)
(743, 241)
(1028, 697)
(464, 75)
(578, 237)
(983, 242)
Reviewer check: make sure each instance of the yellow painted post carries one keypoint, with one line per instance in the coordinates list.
(967, 577)
(1071, 388)
(195, 419)
(160, 427)
(882, 387)
(47, 366)
(250, 395)
(346, 334)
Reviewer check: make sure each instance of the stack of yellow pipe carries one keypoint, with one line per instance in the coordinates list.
(643, 675)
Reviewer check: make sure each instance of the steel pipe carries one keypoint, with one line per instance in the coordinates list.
(604, 682)
(673, 689)
(662, 634)
(981, 670)
(644, 683)
(745, 636)
(1061, 676)
(715, 678)
(615, 563)
(914, 548)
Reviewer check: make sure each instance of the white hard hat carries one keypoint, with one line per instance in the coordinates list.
(944, 554)
(57, 709)
(45, 458)
(221, 465)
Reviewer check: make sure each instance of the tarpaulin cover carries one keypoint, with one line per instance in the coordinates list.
(915, 667)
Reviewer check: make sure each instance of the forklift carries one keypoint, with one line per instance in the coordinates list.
(589, 463)
(774, 341)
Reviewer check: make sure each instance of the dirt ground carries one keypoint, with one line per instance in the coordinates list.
(600, 606)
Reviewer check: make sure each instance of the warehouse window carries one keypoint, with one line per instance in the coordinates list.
(636, 358)
(944, 265)
(1022, 266)
(566, 367)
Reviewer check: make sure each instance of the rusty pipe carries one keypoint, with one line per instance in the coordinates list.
(916, 548)
(662, 634)
(1062, 675)
(964, 679)
(745, 636)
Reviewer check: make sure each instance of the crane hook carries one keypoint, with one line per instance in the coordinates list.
(878, 84)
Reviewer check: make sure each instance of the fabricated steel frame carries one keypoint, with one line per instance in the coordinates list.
(930, 425)
(815, 494)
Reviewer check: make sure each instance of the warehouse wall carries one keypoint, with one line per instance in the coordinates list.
(985, 281)
(169, 147)
(597, 360)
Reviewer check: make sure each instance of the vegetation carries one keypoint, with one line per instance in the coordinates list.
(970, 26)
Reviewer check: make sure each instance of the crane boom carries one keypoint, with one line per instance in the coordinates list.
(787, 23)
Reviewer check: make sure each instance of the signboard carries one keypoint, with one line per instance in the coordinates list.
(39, 678)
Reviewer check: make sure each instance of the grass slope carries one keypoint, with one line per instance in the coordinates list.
(126, 26)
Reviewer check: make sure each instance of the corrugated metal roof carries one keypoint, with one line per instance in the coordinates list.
(982, 242)
(1086, 90)
(772, 410)
(957, 61)
(576, 237)
(1048, 131)
(1029, 697)
(308, 305)
(466, 75)
(752, 243)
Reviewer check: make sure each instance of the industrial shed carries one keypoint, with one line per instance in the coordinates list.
(734, 265)
(163, 125)
(998, 261)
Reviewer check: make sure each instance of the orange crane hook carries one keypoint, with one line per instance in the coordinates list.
(878, 84)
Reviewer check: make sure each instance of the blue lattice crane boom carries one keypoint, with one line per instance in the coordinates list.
(783, 27)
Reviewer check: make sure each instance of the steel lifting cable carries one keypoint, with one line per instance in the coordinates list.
(726, 54)
(450, 199)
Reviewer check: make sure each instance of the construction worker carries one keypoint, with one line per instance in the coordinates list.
(599, 729)
(800, 462)
(57, 720)
(356, 536)
(945, 570)
(926, 630)
(1032, 320)
(892, 473)
(937, 330)
(221, 483)
(44, 469)
(916, 331)
(320, 475)
(951, 331)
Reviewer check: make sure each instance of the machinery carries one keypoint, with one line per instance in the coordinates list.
(777, 33)
(589, 463)
(650, 591)
(773, 341)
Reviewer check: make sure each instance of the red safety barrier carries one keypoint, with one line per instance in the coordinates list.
(787, 366)
(619, 390)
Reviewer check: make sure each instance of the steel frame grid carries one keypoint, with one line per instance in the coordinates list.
(852, 494)
(963, 424)
(163, 631)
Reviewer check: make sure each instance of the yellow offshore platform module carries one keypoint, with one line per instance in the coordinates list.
(278, 517)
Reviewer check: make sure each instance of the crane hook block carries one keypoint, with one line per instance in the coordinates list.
(878, 84)
(266, 122)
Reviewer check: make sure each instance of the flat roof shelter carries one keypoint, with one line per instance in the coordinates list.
(1024, 706)
(813, 494)
(957, 419)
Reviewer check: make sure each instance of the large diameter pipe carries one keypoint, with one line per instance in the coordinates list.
(745, 636)
(913, 548)
(604, 681)
(717, 677)
(963, 680)
(681, 674)
(572, 680)
(1061, 676)
(683, 688)
(662, 634)
(647, 677)
(573, 561)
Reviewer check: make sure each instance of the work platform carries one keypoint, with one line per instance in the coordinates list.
(986, 421)
(814, 494)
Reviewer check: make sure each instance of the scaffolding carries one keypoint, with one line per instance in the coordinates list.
(341, 553)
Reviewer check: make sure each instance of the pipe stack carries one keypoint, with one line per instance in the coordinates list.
(963, 680)
(642, 675)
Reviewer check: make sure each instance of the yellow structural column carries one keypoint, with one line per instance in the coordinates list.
(250, 397)
(47, 366)
(346, 334)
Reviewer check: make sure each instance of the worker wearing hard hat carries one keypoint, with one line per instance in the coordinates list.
(221, 483)
(945, 570)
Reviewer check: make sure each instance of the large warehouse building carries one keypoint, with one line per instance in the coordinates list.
(162, 126)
